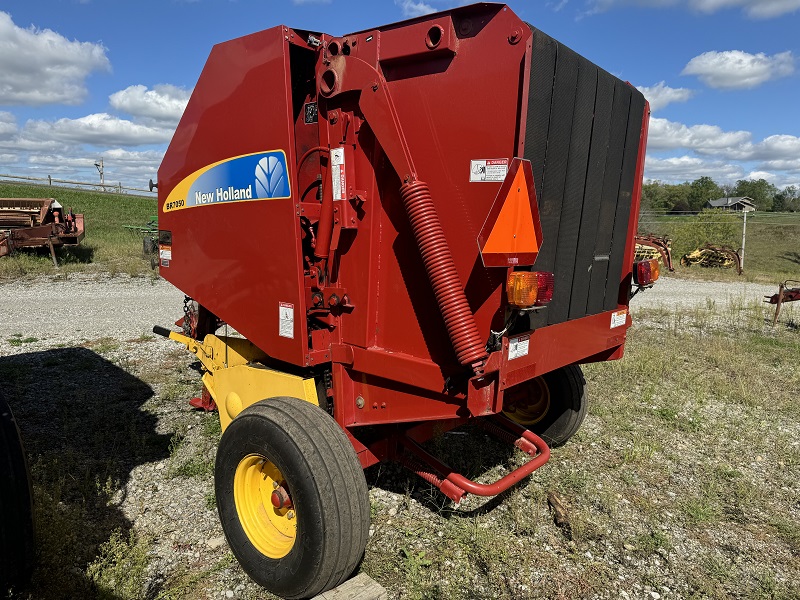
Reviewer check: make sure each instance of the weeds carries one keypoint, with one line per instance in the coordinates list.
(18, 340)
(120, 570)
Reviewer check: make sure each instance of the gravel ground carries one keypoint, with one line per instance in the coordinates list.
(122, 307)
(93, 306)
(673, 292)
(105, 322)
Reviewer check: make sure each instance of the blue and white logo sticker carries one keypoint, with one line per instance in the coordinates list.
(258, 176)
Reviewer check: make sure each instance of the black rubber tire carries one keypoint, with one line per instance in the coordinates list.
(327, 487)
(149, 246)
(17, 548)
(568, 402)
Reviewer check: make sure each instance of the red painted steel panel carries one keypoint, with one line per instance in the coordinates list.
(239, 259)
(452, 103)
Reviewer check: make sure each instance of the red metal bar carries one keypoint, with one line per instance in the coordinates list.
(528, 442)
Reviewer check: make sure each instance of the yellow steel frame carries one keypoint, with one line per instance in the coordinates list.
(236, 379)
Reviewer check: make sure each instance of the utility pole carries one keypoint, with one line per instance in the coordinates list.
(99, 166)
(744, 233)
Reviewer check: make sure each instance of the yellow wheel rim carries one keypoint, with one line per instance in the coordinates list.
(528, 406)
(271, 530)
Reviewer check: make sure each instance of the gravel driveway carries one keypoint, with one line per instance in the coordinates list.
(87, 307)
(673, 292)
(124, 308)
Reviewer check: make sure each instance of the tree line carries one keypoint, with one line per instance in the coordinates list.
(692, 196)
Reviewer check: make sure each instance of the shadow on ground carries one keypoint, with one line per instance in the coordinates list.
(793, 257)
(84, 430)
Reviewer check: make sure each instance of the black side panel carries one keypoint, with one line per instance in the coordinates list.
(574, 190)
(609, 200)
(598, 153)
(625, 198)
(582, 138)
(540, 97)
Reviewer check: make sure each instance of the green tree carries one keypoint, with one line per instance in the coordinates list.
(677, 197)
(711, 226)
(701, 191)
(760, 190)
(654, 197)
(787, 200)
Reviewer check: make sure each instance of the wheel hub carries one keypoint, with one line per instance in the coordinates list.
(528, 403)
(264, 506)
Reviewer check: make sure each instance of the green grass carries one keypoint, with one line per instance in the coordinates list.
(18, 340)
(683, 475)
(108, 246)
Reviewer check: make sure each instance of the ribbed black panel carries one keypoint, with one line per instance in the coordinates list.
(582, 138)
(627, 181)
(540, 98)
(609, 199)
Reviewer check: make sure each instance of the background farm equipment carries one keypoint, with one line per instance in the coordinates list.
(652, 246)
(38, 223)
(788, 291)
(149, 233)
(711, 255)
(379, 263)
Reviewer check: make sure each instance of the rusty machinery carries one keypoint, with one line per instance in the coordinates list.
(38, 223)
(788, 291)
(412, 227)
(711, 255)
(649, 246)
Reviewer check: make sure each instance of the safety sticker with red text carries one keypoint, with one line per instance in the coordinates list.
(618, 318)
(338, 183)
(488, 169)
(286, 320)
(518, 347)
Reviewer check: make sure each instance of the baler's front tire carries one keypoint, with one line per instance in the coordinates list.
(291, 449)
(552, 406)
(17, 550)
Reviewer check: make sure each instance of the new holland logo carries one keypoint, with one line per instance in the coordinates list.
(258, 176)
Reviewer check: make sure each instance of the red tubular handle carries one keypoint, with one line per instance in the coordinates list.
(528, 442)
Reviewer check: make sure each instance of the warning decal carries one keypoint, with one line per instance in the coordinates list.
(518, 347)
(618, 318)
(337, 173)
(488, 169)
(286, 320)
(164, 255)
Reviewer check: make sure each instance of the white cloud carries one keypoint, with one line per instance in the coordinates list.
(165, 103)
(98, 129)
(8, 125)
(131, 168)
(755, 9)
(761, 175)
(414, 9)
(734, 69)
(669, 135)
(689, 168)
(40, 66)
(660, 95)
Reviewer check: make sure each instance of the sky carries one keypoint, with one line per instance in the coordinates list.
(85, 79)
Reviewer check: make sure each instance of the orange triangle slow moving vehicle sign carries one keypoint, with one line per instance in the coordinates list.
(512, 233)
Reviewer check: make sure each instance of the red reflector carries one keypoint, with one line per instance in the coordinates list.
(545, 294)
(646, 272)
